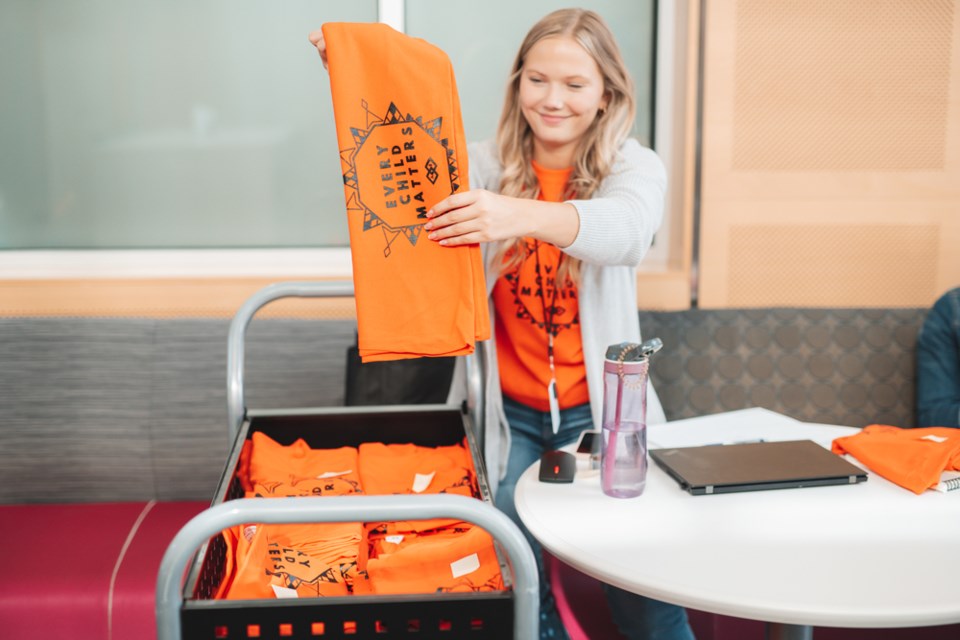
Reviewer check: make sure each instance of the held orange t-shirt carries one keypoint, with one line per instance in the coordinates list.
(525, 311)
(402, 150)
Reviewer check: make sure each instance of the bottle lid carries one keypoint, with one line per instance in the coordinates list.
(633, 352)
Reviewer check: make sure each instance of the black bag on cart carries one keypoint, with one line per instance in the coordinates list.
(413, 381)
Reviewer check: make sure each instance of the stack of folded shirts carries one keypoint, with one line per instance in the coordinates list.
(397, 469)
(276, 470)
(424, 556)
(266, 561)
(459, 559)
(310, 560)
(289, 561)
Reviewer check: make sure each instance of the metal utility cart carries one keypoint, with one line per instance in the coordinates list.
(188, 611)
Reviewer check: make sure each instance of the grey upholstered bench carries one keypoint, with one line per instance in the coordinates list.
(851, 367)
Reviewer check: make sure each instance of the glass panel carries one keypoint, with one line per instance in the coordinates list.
(482, 43)
(135, 124)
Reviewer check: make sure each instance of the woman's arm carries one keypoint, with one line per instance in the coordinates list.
(479, 215)
(616, 226)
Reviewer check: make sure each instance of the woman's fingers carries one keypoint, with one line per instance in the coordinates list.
(455, 201)
(316, 39)
(445, 219)
(466, 218)
(456, 235)
(448, 224)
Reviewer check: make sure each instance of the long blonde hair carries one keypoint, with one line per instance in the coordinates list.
(597, 148)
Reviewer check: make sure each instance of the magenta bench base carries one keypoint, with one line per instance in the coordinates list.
(84, 571)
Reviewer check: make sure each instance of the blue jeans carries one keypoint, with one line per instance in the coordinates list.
(531, 434)
(642, 618)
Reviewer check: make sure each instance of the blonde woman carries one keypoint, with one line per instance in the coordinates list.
(565, 205)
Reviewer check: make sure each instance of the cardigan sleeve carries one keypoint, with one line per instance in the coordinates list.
(618, 223)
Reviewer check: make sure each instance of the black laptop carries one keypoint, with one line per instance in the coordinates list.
(756, 466)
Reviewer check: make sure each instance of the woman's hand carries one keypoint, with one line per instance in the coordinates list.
(483, 216)
(316, 39)
(471, 217)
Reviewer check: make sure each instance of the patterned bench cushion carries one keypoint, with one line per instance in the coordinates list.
(838, 366)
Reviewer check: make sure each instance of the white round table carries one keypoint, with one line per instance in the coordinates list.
(867, 555)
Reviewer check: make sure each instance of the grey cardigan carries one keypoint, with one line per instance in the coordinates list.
(616, 230)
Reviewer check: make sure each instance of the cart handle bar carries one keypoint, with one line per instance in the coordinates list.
(236, 402)
(236, 407)
(347, 509)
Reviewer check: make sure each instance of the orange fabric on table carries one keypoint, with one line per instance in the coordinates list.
(523, 312)
(402, 150)
(463, 562)
(911, 458)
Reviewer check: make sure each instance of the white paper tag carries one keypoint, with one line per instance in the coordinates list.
(422, 481)
(465, 565)
(283, 592)
(333, 474)
(933, 438)
(394, 539)
(554, 406)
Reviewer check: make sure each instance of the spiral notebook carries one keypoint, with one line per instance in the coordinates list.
(949, 481)
(756, 466)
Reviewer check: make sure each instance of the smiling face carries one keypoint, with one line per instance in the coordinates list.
(561, 92)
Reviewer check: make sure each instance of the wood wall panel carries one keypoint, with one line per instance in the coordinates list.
(157, 298)
(830, 149)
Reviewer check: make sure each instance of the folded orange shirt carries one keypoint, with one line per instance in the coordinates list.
(383, 542)
(402, 150)
(276, 470)
(312, 560)
(231, 543)
(391, 469)
(387, 469)
(452, 563)
(911, 458)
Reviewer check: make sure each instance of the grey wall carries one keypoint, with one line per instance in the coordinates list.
(119, 409)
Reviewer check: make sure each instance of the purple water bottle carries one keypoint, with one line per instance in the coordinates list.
(623, 463)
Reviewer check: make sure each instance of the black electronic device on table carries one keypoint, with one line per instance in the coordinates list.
(557, 466)
(589, 442)
(755, 466)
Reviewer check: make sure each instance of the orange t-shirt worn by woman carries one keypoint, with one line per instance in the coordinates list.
(530, 304)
